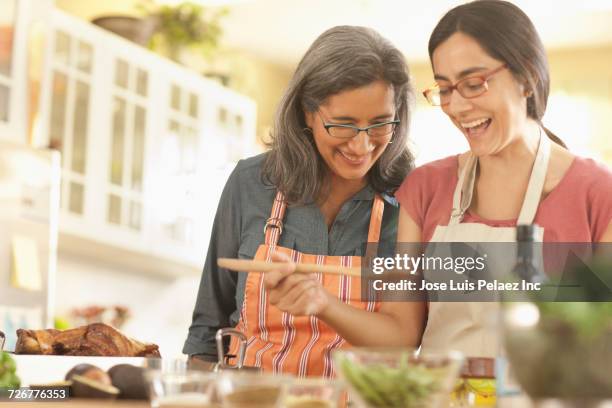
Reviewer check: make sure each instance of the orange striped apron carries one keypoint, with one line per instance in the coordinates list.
(279, 342)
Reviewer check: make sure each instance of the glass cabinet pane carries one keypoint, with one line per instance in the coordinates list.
(5, 94)
(142, 81)
(222, 117)
(121, 74)
(138, 147)
(57, 127)
(117, 144)
(189, 149)
(174, 127)
(7, 30)
(76, 198)
(175, 98)
(62, 47)
(135, 215)
(193, 105)
(238, 125)
(85, 57)
(79, 135)
(114, 209)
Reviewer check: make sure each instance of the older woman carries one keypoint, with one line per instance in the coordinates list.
(338, 151)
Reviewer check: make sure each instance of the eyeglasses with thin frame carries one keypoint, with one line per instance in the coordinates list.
(342, 131)
(471, 87)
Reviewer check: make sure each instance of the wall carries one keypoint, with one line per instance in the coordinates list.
(582, 87)
(578, 109)
(89, 9)
(161, 308)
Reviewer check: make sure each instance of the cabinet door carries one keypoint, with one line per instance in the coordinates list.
(235, 125)
(14, 19)
(177, 173)
(207, 129)
(96, 106)
(69, 114)
(124, 181)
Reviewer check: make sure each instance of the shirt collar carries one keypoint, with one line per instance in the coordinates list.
(365, 194)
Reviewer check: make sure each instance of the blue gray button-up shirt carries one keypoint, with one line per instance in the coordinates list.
(237, 232)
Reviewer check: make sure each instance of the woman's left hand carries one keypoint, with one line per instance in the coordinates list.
(299, 294)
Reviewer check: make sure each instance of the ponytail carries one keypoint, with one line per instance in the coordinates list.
(554, 137)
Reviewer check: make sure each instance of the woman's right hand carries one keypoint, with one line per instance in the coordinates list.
(299, 294)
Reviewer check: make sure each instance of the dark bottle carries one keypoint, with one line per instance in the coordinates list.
(526, 266)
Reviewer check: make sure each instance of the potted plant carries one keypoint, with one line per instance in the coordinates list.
(186, 26)
(169, 30)
(565, 354)
(135, 29)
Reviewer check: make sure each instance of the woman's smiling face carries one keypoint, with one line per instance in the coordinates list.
(490, 121)
(351, 159)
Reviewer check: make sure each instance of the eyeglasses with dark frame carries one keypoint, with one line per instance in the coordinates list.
(469, 88)
(342, 131)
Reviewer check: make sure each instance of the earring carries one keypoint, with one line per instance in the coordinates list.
(307, 130)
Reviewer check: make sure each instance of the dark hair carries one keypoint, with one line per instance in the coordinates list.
(506, 33)
(342, 58)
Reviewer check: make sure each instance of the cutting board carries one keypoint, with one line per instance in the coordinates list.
(38, 369)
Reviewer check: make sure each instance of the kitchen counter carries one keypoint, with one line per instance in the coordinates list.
(78, 403)
(507, 402)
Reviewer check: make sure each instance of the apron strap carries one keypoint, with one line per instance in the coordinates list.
(464, 190)
(376, 219)
(462, 196)
(274, 225)
(536, 182)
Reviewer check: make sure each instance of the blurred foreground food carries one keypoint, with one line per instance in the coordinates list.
(97, 339)
(8, 376)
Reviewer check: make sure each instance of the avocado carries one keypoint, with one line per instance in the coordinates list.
(129, 380)
(84, 387)
(90, 371)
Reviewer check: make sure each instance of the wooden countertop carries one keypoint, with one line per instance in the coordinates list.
(78, 403)
(506, 402)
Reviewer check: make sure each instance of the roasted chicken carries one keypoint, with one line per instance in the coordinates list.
(97, 339)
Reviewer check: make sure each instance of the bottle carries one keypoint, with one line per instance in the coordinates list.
(528, 269)
(526, 266)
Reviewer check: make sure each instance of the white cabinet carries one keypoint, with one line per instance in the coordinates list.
(145, 145)
(14, 19)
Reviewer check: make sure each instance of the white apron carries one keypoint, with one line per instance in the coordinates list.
(470, 327)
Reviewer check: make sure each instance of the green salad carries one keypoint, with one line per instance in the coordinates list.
(407, 385)
(8, 376)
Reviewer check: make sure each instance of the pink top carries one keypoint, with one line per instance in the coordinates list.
(578, 209)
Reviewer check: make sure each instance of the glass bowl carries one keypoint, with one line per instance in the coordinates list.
(251, 390)
(181, 389)
(398, 377)
(312, 393)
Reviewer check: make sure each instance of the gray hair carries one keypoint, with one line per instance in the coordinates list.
(342, 58)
